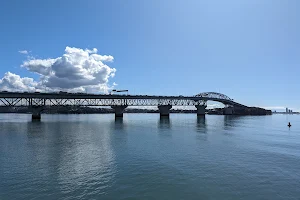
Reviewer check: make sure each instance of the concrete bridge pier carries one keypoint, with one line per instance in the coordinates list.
(228, 111)
(164, 110)
(200, 110)
(119, 110)
(36, 112)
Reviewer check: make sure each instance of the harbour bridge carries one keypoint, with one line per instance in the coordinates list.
(37, 101)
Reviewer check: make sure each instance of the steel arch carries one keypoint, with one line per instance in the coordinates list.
(214, 95)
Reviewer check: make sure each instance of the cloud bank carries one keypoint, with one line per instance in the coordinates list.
(77, 70)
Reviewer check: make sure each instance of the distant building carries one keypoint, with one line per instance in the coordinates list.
(286, 110)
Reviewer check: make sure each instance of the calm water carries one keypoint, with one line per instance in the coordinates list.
(145, 157)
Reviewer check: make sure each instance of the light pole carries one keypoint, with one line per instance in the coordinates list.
(114, 90)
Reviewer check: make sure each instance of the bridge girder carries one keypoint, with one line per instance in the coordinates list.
(49, 99)
(22, 102)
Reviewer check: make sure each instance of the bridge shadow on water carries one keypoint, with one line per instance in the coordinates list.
(232, 121)
(119, 124)
(35, 128)
(164, 126)
(164, 123)
(201, 126)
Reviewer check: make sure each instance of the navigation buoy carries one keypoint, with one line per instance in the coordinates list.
(289, 125)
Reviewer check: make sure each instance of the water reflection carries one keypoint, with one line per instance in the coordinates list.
(35, 120)
(88, 157)
(231, 121)
(118, 123)
(72, 152)
(164, 122)
(201, 124)
(85, 157)
(35, 129)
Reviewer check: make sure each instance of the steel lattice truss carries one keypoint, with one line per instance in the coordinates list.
(15, 99)
(25, 102)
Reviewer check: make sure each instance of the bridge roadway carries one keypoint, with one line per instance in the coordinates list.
(37, 101)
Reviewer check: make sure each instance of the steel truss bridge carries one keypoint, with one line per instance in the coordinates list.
(18, 99)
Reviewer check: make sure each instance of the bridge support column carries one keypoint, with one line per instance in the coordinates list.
(200, 110)
(164, 110)
(119, 110)
(36, 113)
(228, 111)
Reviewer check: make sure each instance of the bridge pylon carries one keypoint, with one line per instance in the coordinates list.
(36, 112)
(228, 110)
(201, 105)
(200, 110)
(164, 110)
(119, 110)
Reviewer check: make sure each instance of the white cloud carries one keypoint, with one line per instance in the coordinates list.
(13, 82)
(42, 67)
(76, 70)
(24, 52)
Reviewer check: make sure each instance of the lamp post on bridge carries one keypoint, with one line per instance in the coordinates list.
(114, 90)
(119, 109)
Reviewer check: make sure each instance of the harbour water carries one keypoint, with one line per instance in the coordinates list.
(144, 156)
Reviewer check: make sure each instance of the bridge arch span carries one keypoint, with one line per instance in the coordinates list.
(214, 95)
(218, 97)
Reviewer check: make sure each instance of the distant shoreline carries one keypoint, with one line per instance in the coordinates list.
(285, 113)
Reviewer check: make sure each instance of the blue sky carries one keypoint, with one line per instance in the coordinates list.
(248, 50)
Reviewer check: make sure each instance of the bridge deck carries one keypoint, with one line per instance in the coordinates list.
(82, 99)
